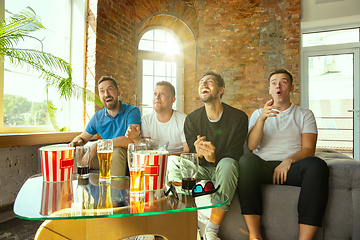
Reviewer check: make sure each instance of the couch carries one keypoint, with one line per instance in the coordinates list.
(279, 220)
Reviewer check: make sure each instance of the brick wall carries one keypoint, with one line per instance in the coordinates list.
(110, 45)
(243, 40)
(17, 164)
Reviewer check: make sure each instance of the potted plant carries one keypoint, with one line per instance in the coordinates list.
(54, 70)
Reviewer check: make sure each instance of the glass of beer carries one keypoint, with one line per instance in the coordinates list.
(137, 203)
(189, 165)
(104, 152)
(137, 162)
(105, 205)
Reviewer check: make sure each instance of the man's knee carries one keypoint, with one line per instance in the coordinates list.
(119, 151)
(227, 164)
(316, 166)
(119, 165)
(173, 169)
(173, 162)
(227, 172)
(247, 159)
(119, 154)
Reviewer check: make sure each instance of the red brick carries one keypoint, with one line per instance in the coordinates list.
(228, 34)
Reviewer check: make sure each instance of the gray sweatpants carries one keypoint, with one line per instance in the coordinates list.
(224, 173)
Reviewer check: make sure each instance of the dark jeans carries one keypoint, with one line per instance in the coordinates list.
(311, 174)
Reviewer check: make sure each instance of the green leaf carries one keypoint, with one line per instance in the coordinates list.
(54, 70)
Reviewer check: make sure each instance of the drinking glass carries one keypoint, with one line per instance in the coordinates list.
(105, 203)
(153, 144)
(137, 163)
(105, 153)
(137, 203)
(189, 165)
(82, 158)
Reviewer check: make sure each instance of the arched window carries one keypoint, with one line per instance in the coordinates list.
(159, 58)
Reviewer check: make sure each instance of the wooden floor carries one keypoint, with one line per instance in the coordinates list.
(19, 229)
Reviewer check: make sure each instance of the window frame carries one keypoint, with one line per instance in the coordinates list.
(75, 55)
(160, 56)
(340, 48)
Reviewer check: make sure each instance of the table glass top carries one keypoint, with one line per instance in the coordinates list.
(74, 199)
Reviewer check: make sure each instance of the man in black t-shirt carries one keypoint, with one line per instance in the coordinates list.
(216, 132)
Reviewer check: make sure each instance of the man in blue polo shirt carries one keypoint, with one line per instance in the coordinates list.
(111, 122)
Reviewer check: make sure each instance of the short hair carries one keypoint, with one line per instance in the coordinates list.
(220, 81)
(277, 71)
(169, 85)
(108, 78)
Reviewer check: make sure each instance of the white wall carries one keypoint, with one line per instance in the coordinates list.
(317, 15)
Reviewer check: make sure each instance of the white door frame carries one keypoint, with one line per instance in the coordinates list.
(350, 48)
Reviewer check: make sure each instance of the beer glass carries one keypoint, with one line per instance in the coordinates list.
(105, 203)
(153, 144)
(189, 164)
(137, 203)
(137, 163)
(82, 157)
(105, 153)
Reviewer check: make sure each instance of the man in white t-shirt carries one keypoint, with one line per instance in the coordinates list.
(283, 139)
(165, 124)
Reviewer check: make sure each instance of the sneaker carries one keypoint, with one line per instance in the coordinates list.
(198, 236)
(210, 236)
(203, 220)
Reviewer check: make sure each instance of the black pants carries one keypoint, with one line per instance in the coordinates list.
(311, 174)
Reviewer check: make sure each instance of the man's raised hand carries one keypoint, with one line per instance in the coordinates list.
(269, 110)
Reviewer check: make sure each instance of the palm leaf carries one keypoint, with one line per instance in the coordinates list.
(38, 59)
(51, 110)
(18, 27)
(87, 95)
(54, 70)
(47, 64)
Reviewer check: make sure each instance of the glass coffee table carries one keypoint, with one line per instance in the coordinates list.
(89, 209)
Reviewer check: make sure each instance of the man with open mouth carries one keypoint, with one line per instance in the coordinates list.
(216, 132)
(283, 139)
(111, 122)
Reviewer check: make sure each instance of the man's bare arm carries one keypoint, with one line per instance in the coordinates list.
(308, 141)
(256, 133)
(185, 150)
(185, 147)
(123, 141)
(81, 139)
(133, 133)
(308, 146)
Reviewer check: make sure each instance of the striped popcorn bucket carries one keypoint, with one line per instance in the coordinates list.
(155, 170)
(56, 196)
(57, 163)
